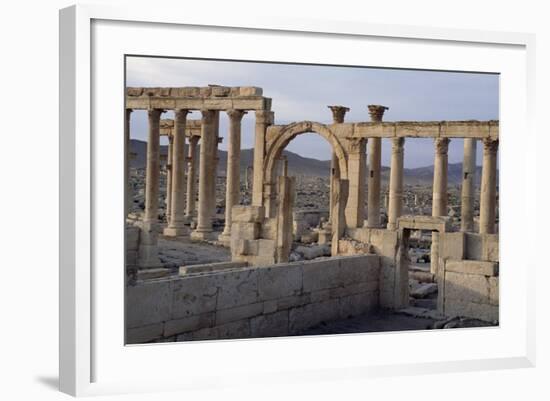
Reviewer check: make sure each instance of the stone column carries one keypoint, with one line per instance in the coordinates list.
(192, 158)
(375, 160)
(148, 250)
(128, 196)
(488, 199)
(233, 174)
(338, 116)
(355, 209)
(468, 185)
(339, 201)
(439, 197)
(169, 178)
(176, 224)
(215, 162)
(206, 175)
(395, 205)
(286, 191)
(263, 119)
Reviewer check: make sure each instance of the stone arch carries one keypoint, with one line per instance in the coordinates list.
(291, 131)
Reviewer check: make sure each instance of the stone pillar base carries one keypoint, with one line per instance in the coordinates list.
(200, 235)
(176, 231)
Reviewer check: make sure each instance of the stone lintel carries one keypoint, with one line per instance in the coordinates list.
(193, 103)
(437, 223)
(427, 129)
(475, 267)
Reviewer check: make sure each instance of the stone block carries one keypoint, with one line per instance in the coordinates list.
(452, 245)
(352, 289)
(187, 91)
(143, 334)
(237, 288)
(490, 246)
(466, 287)
(147, 303)
(271, 325)
(194, 295)
(191, 323)
(473, 246)
(205, 91)
(134, 91)
(281, 280)
(494, 290)
(293, 301)
(238, 313)
(266, 252)
(358, 269)
(247, 214)
(211, 267)
(250, 91)
(358, 304)
(475, 267)
(320, 295)
(239, 329)
(247, 231)
(132, 238)
(220, 91)
(322, 274)
(462, 308)
(304, 317)
(270, 306)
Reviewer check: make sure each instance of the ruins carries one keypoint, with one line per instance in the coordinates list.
(365, 264)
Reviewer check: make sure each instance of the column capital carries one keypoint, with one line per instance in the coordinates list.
(207, 116)
(441, 146)
(194, 139)
(355, 144)
(490, 146)
(338, 113)
(236, 115)
(181, 113)
(154, 113)
(397, 144)
(376, 112)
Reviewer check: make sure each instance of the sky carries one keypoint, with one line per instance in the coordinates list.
(303, 92)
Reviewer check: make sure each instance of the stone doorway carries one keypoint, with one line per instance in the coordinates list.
(407, 227)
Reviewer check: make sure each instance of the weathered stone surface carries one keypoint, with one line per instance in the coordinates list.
(472, 267)
(247, 214)
(190, 323)
(144, 334)
(246, 231)
(194, 296)
(279, 281)
(470, 287)
(452, 245)
(494, 290)
(237, 288)
(490, 247)
(423, 290)
(481, 311)
(293, 301)
(306, 316)
(238, 313)
(358, 304)
(271, 325)
(250, 91)
(148, 303)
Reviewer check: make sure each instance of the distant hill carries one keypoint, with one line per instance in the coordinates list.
(299, 165)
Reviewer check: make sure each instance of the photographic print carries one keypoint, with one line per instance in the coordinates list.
(276, 199)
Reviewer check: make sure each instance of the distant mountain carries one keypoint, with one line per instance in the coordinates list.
(299, 165)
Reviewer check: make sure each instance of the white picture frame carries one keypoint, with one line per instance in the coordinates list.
(87, 331)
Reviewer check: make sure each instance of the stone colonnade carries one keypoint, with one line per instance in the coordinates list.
(348, 141)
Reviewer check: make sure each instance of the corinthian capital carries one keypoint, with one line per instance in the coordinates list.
(207, 116)
(338, 113)
(441, 146)
(397, 145)
(490, 146)
(236, 115)
(376, 112)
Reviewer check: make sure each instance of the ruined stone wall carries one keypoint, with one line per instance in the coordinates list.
(278, 300)
(470, 288)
